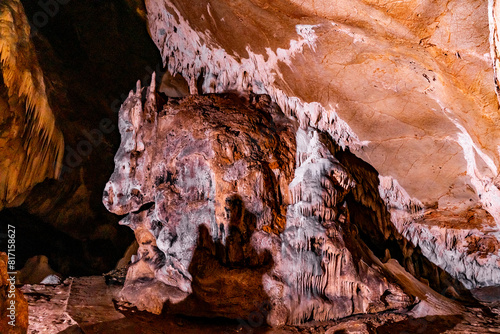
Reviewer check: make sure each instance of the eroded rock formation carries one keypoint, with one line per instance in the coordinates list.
(419, 185)
(407, 87)
(38, 271)
(325, 271)
(341, 157)
(66, 75)
(234, 206)
(197, 180)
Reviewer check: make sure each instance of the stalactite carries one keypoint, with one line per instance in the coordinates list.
(23, 78)
(323, 268)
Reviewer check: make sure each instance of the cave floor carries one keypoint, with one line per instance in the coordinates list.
(85, 305)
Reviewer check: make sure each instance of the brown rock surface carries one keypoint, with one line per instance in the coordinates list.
(31, 144)
(37, 270)
(47, 305)
(234, 207)
(13, 305)
(408, 87)
(416, 89)
(89, 301)
(81, 61)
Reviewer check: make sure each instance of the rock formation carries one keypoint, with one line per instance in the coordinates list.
(38, 271)
(404, 86)
(76, 66)
(325, 271)
(298, 161)
(234, 206)
(13, 305)
(197, 181)
(391, 160)
(34, 142)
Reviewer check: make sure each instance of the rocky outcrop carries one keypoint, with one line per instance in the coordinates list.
(197, 180)
(234, 207)
(85, 305)
(404, 86)
(38, 271)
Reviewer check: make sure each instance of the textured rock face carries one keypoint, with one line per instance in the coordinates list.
(38, 271)
(409, 87)
(85, 304)
(31, 145)
(198, 180)
(399, 75)
(77, 66)
(13, 305)
(47, 306)
(321, 257)
(235, 208)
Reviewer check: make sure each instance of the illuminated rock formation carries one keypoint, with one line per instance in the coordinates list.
(196, 180)
(13, 305)
(404, 86)
(305, 160)
(230, 211)
(356, 78)
(64, 77)
(31, 145)
(324, 271)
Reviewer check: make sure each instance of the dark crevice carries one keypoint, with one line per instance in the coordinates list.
(144, 207)
(378, 233)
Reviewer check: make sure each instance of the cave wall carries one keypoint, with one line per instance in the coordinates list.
(27, 120)
(398, 99)
(409, 88)
(417, 92)
(88, 56)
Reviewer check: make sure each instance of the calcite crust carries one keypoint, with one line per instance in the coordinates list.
(233, 207)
